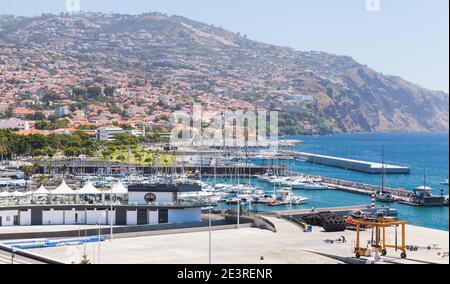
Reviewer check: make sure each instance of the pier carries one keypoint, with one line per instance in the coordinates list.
(399, 194)
(338, 210)
(93, 167)
(350, 164)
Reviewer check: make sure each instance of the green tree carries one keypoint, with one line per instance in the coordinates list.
(72, 152)
(109, 91)
(94, 92)
(79, 91)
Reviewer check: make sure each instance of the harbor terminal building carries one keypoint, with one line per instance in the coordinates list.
(141, 204)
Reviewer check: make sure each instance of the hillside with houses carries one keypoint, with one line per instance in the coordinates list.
(89, 71)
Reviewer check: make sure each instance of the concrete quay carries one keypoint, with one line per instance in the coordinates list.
(289, 245)
(351, 164)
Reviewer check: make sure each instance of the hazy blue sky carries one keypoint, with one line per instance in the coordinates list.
(409, 38)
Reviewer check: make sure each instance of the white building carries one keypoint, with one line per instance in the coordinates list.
(139, 132)
(148, 205)
(14, 123)
(107, 133)
(62, 111)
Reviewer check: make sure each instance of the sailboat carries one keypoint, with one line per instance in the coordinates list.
(381, 195)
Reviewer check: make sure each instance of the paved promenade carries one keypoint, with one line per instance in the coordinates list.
(290, 245)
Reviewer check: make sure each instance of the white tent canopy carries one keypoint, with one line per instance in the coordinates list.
(118, 189)
(89, 189)
(41, 191)
(5, 194)
(63, 189)
(17, 194)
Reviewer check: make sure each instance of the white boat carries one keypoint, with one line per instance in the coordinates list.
(314, 186)
(222, 186)
(314, 179)
(13, 182)
(264, 198)
(298, 183)
(278, 180)
(445, 182)
(284, 196)
(236, 200)
(384, 197)
(242, 188)
(267, 177)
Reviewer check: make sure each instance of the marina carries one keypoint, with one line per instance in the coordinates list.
(132, 201)
(147, 132)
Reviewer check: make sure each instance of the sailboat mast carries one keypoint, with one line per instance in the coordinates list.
(424, 178)
(382, 168)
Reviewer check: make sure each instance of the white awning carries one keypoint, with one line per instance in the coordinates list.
(89, 189)
(5, 194)
(63, 189)
(118, 189)
(41, 191)
(17, 194)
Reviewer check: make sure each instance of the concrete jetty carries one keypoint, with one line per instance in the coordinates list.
(289, 245)
(97, 167)
(351, 164)
(343, 210)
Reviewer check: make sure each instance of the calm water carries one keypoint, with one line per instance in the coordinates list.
(417, 150)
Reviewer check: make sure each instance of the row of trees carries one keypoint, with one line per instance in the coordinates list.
(13, 145)
(93, 92)
(52, 125)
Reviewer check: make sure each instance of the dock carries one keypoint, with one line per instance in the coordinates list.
(344, 210)
(400, 195)
(110, 168)
(351, 164)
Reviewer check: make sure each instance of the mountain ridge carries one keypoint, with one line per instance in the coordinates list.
(317, 92)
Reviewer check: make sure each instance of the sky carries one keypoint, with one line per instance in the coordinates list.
(407, 38)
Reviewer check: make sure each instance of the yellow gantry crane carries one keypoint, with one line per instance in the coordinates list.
(378, 241)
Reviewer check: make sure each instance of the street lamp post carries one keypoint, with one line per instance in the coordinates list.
(13, 254)
(238, 212)
(110, 216)
(290, 203)
(210, 232)
(103, 215)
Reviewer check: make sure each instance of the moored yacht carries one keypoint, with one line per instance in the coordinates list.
(285, 196)
(384, 197)
(314, 186)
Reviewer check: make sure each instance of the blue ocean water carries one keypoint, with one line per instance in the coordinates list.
(419, 151)
(423, 152)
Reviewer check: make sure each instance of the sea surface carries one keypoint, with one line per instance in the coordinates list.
(424, 152)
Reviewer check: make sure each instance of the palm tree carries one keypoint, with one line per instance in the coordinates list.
(3, 151)
(64, 169)
(50, 168)
(28, 171)
(35, 167)
(41, 179)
